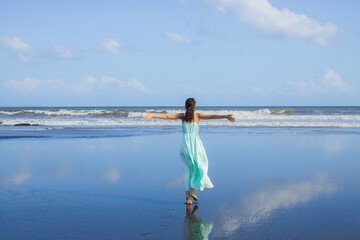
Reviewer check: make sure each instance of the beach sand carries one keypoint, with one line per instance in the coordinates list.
(276, 184)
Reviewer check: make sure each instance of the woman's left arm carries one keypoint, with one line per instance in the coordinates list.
(164, 116)
(206, 116)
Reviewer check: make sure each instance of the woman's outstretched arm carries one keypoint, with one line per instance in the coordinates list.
(206, 116)
(164, 116)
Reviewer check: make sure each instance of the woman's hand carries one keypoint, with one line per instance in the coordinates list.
(230, 118)
(148, 116)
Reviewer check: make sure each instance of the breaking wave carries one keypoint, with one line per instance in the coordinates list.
(126, 116)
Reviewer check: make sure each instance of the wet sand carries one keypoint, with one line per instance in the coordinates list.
(267, 185)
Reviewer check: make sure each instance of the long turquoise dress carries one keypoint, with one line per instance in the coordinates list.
(193, 157)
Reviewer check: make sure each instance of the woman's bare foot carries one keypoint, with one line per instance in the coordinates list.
(193, 195)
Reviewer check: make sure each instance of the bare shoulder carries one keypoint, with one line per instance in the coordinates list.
(198, 117)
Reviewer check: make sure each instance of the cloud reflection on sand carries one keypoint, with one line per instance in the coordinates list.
(258, 206)
(62, 171)
(333, 145)
(112, 175)
(175, 182)
(18, 177)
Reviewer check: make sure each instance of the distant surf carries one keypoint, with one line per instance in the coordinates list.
(48, 117)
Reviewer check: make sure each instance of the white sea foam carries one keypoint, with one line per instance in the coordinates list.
(264, 113)
(132, 114)
(136, 114)
(265, 117)
(62, 112)
(177, 123)
(258, 114)
(9, 112)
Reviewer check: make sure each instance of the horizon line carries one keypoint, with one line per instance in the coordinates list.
(201, 106)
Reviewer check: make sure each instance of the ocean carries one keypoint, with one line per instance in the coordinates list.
(129, 121)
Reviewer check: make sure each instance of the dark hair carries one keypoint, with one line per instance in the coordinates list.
(190, 109)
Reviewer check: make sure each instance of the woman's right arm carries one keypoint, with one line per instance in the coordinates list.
(207, 116)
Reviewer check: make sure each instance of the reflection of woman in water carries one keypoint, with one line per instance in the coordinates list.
(192, 151)
(195, 228)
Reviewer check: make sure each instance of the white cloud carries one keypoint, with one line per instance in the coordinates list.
(88, 84)
(107, 79)
(330, 82)
(333, 80)
(23, 59)
(111, 80)
(106, 83)
(59, 51)
(90, 80)
(177, 38)
(221, 9)
(138, 86)
(110, 46)
(264, 16)
(57, 83)
(257, 90)
(28, 85)
(14, 43)
(84, 84)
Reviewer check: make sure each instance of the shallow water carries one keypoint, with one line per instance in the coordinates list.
(269, 184)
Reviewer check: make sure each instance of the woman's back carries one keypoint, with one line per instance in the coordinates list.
(190, 128)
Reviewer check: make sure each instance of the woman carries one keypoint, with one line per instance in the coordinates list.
(192, 151)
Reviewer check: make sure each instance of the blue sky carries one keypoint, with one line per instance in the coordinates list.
(142, 53)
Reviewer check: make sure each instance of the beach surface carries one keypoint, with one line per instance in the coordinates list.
(269, 183)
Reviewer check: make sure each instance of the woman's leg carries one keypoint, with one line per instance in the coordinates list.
(193, 194)
(188, 198)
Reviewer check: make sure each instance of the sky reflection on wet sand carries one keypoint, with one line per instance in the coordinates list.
(267, 186)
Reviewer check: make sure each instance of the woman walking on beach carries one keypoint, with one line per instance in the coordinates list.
(192, 151)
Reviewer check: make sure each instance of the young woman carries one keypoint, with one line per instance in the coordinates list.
(192, 151)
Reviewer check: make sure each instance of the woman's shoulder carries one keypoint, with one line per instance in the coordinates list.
(197, 119)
